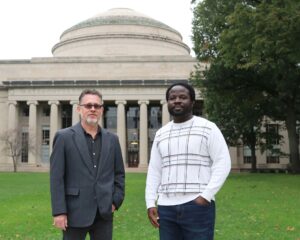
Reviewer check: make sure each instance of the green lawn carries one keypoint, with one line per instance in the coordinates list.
(249, 207)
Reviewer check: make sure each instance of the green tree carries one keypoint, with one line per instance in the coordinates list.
(271, 47)
(228, 104)
(260, 38)
(207, 25)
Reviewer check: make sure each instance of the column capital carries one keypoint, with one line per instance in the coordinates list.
(120, 102)
(143, 101)
(53, 102)
(12, 102)
(74, 102)
(164, 101)
(34, 102)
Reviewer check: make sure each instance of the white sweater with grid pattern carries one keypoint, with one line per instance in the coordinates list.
(187, 160)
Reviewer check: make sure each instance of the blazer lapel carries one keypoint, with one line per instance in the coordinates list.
(81, 145)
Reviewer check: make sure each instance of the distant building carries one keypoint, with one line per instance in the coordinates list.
(131, 59)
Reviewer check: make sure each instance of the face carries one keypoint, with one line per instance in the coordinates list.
(89, 110)
(180, 105)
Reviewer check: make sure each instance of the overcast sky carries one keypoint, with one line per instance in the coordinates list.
(30, 28)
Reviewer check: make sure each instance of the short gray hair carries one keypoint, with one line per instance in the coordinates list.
(89, 92)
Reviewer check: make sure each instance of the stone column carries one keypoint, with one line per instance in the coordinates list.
(75, 115)
(121, 127)
(12, 115)
(143, 134)
(12, 122)
(101, 121)
(53, 120)
(32, 132)
(165, 112)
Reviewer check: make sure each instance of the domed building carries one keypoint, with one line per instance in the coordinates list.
(120, 32)
(130, 58)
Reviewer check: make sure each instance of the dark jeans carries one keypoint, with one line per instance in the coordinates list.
(188, 221)
(101, 229)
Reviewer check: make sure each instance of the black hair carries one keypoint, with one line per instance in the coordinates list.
(185, 85)
(91, 92)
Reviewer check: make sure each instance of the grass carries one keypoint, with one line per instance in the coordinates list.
(249, 206)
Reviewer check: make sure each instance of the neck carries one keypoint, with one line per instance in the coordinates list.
(90, 129)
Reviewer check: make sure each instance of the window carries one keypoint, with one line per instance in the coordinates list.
(45, 144)
(132, 117)
(273, 139)
(154, 123)
(272, 133)
(154, 117)
(24, 150)
(198, 107)
(25, 111)
(66, 116)
(46, 111)
(272, 159)
(45, 136)
(247, 155)
(110, 117)
(133, 113)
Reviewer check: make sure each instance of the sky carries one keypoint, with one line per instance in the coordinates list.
(30, 28)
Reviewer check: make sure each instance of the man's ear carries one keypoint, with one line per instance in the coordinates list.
(78, 109)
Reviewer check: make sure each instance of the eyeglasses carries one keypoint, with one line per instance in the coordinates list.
(90, 106)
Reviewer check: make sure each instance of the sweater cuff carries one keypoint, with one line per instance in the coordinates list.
(207, 195)
(150, 203)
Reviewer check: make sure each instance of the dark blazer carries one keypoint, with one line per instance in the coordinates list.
(76, 188)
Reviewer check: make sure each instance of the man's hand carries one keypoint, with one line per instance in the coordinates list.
(113, 208)
(60, 222)
(201, 201)
(153, 216)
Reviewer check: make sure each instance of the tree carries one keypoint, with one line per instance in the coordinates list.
(13, 145)
(208, 23)
(271, 47)
(259, 39)
(228, 107)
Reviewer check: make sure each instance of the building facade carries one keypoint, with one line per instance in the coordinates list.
(130, 58)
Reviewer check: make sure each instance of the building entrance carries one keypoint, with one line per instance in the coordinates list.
(132, 117)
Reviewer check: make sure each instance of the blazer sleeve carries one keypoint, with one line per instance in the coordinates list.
(57, 169)
(119, 178)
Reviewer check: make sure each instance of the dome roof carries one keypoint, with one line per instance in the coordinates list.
(120, 32)
(120, 16)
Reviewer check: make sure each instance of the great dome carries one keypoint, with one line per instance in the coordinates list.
(120, 32)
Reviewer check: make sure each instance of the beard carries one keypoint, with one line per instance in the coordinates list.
(92, 121)
(180, 112)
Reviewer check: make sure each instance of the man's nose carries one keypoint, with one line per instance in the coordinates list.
(178, 99)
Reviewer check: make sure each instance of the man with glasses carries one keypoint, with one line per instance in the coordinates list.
(86, 174)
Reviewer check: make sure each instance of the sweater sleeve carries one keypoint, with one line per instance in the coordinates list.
(221, 163)
(154, 175)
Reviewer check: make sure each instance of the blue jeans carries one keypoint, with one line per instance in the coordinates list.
(188, 221)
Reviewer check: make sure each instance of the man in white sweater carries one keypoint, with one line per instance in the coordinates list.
(188, 165)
